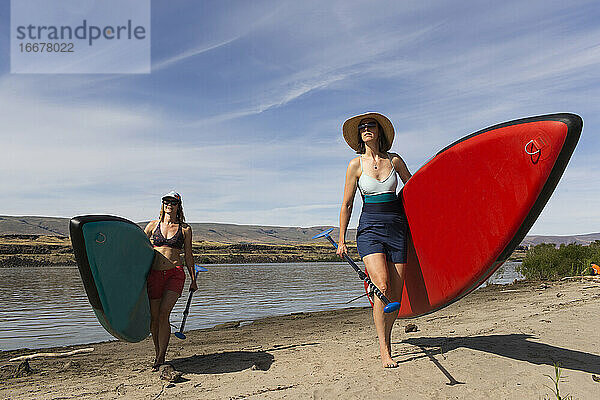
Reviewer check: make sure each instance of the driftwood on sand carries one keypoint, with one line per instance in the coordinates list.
(65, 354)
(591, 278)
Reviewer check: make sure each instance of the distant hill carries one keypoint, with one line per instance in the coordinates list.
(231, 233)
(224, 233)
(579, 239)
(49, 226)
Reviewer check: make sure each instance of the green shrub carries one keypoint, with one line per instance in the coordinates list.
(546, 262)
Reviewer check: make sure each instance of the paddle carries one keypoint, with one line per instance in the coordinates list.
(180, 334)
(389, 306)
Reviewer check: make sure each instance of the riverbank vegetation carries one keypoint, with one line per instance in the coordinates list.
(548, 262)
(40, 250)
(539, 262)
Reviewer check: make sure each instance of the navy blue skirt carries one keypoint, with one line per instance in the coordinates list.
(383, 228)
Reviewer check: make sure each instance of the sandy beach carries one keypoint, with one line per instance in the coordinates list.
(499, 342)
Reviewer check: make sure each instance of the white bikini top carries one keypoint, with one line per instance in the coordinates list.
(370, 186)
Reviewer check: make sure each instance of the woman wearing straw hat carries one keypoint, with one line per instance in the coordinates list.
(382, 229)
(170, 236)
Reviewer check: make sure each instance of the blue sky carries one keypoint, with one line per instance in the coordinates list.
(242, 112)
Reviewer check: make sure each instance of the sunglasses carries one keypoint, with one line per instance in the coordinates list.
(367, 125)
(170, 202)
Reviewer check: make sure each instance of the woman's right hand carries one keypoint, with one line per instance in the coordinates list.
(342, 249)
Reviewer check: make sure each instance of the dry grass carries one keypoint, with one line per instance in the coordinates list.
(33, 250)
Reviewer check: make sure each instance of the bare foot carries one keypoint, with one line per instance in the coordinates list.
(389, 363)
(157, 364)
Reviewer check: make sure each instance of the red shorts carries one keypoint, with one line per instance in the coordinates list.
(161, 280)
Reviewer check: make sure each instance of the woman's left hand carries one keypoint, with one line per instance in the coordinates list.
(193, 286)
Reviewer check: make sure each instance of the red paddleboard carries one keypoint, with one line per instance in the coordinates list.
(472, 204)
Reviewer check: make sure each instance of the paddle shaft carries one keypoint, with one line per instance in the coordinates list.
(187, 308)
(361, 274)
(186, 311)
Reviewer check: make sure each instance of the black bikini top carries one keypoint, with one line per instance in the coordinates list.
(175, 242)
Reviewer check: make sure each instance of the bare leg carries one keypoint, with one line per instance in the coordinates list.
(154, 310)
(397, 279)
(379, 273)
(396, 273)
(164, 327)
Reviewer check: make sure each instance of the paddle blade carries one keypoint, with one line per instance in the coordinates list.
(179, 335)
(391, 307)
(200, 269)
(323, 234)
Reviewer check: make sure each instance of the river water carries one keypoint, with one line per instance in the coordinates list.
(44, 307)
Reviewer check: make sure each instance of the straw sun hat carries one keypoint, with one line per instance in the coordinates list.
(350, 129)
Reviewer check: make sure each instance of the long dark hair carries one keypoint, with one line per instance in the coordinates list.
(383, 143)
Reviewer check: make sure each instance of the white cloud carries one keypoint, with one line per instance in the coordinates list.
(187, 54)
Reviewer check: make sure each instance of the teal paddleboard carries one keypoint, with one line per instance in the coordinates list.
(114, 256)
